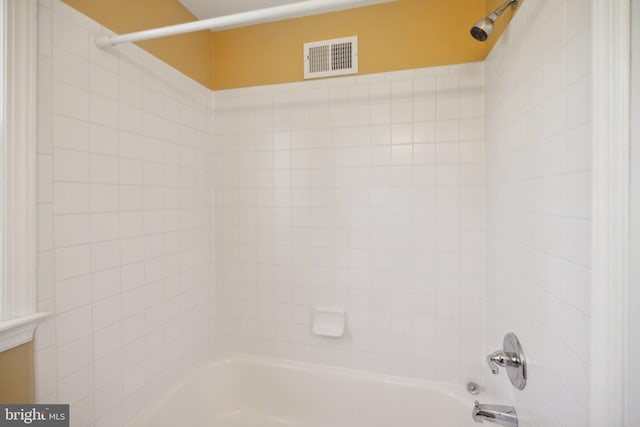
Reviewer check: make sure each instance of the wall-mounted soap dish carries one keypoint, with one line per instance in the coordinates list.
(328, 322)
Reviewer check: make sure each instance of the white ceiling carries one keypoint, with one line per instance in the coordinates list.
(204, 9)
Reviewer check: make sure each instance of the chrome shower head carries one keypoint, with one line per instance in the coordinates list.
(483, 28)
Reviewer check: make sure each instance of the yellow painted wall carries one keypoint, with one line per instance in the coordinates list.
(16, 375)
(391, 36)
(189, 53)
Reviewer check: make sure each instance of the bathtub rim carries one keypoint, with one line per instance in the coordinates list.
(454, 391)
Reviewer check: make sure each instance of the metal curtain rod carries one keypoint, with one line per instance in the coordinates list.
(276, 13)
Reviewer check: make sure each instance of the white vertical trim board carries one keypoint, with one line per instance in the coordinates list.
(18, 173)
(632, 374)
(19, 160)
(4, 297)
(610, 209)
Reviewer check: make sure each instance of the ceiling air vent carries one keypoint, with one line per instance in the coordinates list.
(328, 58)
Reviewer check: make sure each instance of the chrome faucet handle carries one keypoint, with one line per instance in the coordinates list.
(504, 359)
(512, 359)
(493, 362)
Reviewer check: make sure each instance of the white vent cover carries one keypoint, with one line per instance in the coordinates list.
(336, 57)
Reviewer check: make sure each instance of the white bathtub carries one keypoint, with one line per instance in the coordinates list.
(256, 392)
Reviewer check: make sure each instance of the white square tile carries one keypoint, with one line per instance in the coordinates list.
(71, 37)
(447, 175)
(74, 357)
(108, 369)
(131, 250)
(402, 154)
(424, 109)
(107, 312)
(103, 81)
(401, 133)
(402, 111)
(578, 241)
(107, 340)
(105, 227)
(447, 152)
(424, 132)
(380, 135)
(70, 69)
(380, 113)
(103, 111)
(104, 198)
(472, 105)
(71, 166)
(130, 91)
(71, 198)
(131, 198)
(449, 130)
(72, 261)
(447, 108)
(130, 119)
(134, 147)
(104, 169)
(75, 387)
(105, 284)
(578, 195)
(105, 255)
(73, 293)
(70, 133)
(70, 101)
(73, 325)
(471, 129)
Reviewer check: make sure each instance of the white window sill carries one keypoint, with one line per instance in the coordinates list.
(18, 331)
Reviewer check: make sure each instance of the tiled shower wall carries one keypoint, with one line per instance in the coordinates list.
(124, 224)
(538, 114)
(365, 193)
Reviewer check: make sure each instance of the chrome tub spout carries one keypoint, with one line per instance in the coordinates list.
(499, 414)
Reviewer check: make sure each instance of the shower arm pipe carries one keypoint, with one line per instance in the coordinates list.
(293, 10)
(497, 12)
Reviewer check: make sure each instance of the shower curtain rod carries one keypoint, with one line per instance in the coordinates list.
(293, 10)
